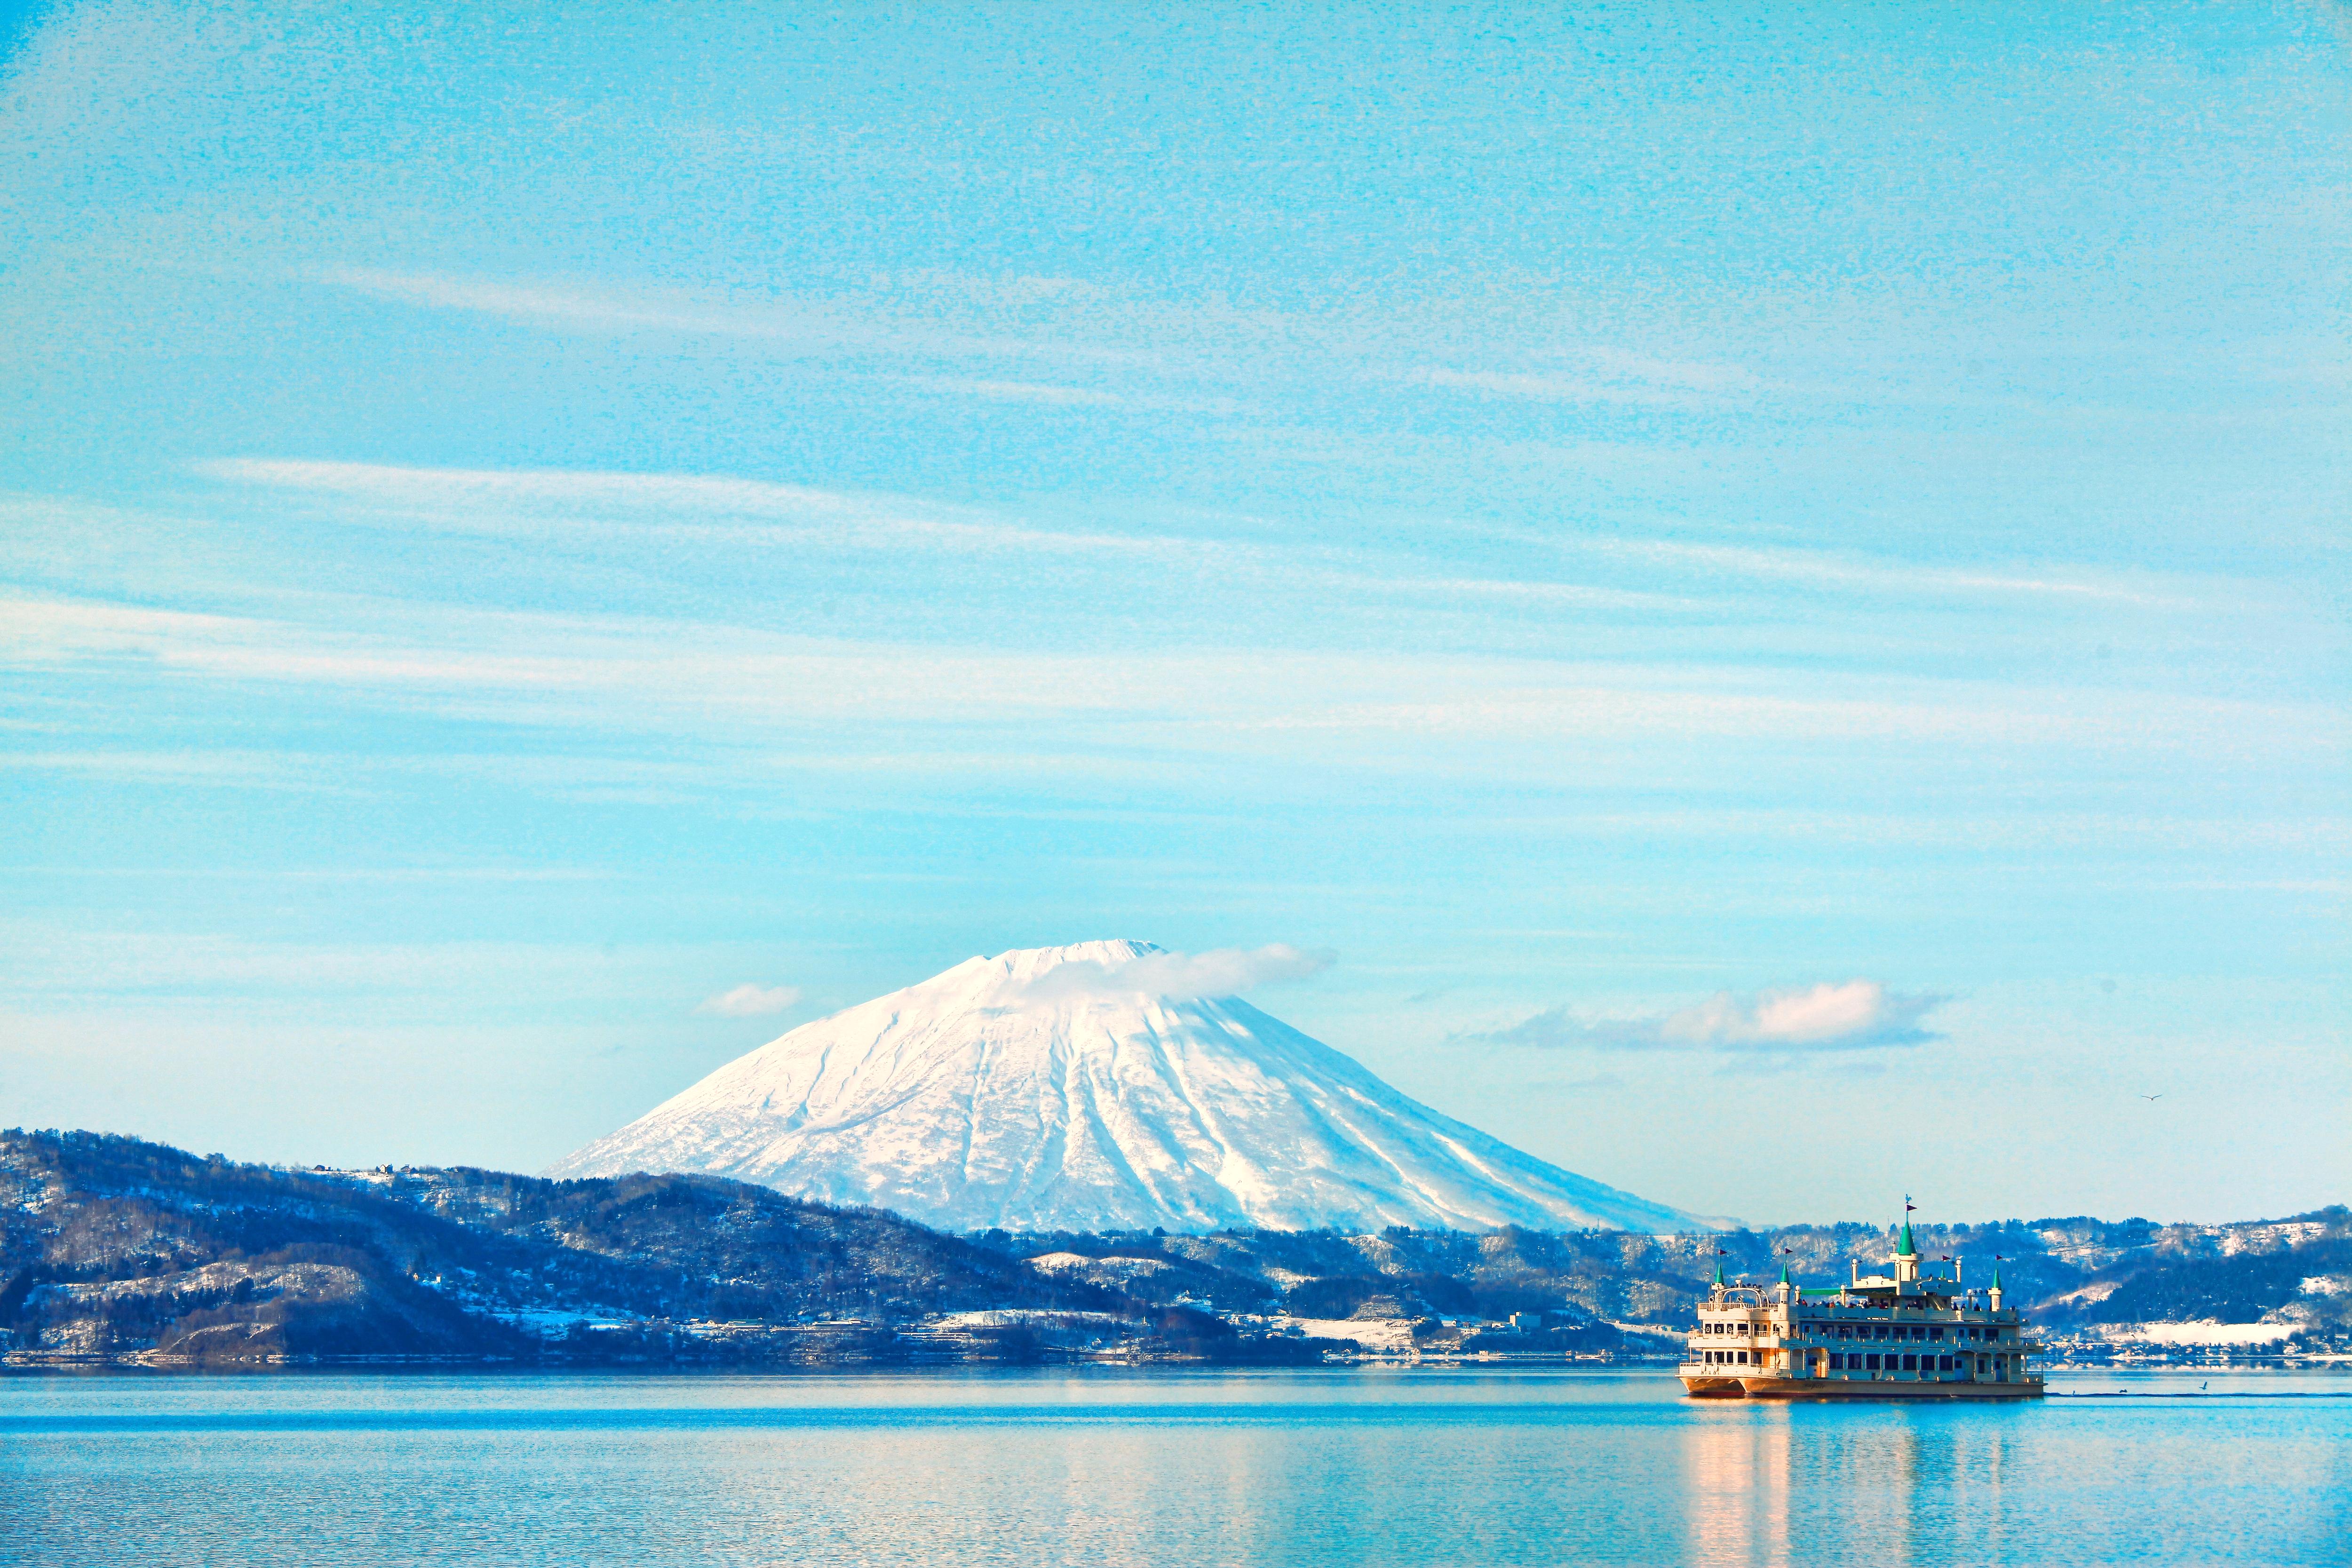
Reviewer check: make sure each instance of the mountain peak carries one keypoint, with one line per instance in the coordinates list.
(1027, 964)
(1105, 1085)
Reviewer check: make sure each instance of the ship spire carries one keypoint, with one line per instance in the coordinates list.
(1906, 1254)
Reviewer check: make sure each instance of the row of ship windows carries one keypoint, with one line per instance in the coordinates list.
(1841, 1361)
(1860, 1331)
(1857, 1362)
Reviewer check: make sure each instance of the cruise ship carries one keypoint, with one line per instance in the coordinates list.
(1887, 1336)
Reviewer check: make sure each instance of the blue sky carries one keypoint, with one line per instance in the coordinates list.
(1771, 588)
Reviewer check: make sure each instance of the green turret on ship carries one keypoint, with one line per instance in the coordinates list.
(1900, 1335)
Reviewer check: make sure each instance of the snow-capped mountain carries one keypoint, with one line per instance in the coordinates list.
(1063, 1087)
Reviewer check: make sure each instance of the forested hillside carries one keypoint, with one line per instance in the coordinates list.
(109, 1244)
(114, 1248)
(2070, 1274)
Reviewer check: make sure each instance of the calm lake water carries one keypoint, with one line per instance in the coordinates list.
(1408, 1466)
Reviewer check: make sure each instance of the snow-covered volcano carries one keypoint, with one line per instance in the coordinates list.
(1056, 1087)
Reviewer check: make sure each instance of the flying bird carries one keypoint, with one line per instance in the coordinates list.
(2151, 1097)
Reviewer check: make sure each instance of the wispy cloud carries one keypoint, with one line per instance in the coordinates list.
(784, 323)
(1604, 375)
(1052, 394)
(1554, 388)
(1523, 591)
(58, 964)
(225, 767)
(749, 1001)
(759, 512)
(1221, 972)
(762, 512)
(499, 499)
(1027, 391)
(733, 684)
(1851, 1015)
(1830, 570)
(1591, 1081)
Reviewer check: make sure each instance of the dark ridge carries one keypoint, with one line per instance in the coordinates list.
(112, 1248)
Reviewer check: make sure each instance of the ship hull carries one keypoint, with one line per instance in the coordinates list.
(1853, 1389)
(1712, 1387)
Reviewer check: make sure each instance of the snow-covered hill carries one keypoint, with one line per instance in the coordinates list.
(1062, 1088)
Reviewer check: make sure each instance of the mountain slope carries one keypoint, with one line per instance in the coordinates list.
(111, 1246)
(1050, 1089)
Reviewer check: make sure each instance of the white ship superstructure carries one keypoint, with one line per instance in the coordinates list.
(1899, 1335)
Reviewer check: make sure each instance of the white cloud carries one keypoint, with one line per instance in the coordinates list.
(1858, 1010)
(1849, 1016)
(749, 1001)
(1221, 972)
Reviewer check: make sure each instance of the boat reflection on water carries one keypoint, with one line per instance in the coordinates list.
(1770, 1484)
(1736, 1474)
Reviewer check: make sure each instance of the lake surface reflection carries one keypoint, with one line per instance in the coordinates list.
(1407, 1465)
